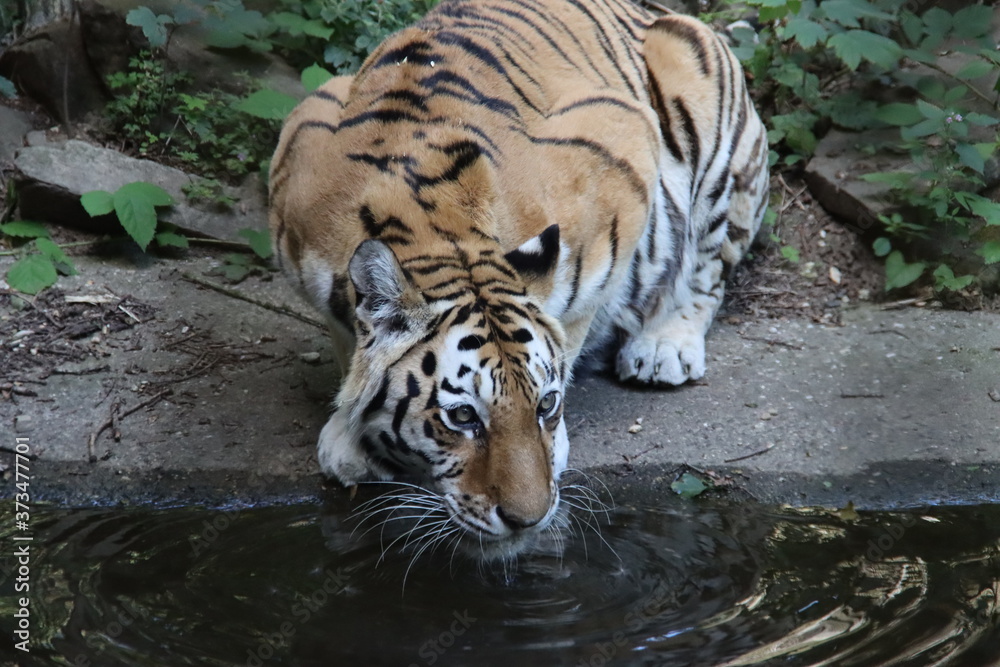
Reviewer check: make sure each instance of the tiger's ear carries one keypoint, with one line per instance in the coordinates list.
(537, 258)
(385, 296)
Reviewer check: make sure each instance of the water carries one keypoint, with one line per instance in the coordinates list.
(677, 583)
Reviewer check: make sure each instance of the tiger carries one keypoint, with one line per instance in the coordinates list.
(501, 189)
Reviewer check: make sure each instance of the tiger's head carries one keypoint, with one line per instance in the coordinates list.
(456, 386)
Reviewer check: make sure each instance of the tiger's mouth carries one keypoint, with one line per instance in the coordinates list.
(411, 518)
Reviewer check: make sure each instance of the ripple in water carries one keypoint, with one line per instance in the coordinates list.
(676, 584)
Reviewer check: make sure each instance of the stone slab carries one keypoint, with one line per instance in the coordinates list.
(50, 179)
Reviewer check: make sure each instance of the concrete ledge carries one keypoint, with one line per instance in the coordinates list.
(892, 409)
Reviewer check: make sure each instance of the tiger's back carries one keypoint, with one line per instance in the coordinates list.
(575, 171)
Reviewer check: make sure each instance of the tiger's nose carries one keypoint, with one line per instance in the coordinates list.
(516, 521)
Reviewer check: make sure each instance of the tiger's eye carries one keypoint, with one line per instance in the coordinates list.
(463, 414)
(548, 402)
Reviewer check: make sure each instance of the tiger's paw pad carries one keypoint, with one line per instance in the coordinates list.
(673, 360)
(339, 456)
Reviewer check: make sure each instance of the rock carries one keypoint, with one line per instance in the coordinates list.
(101, 43)
(834, 176)
(110, 42)
(38, 13)
(50, 179)
(50, 66)
(24, 424)
(310, 357)
(14, 126)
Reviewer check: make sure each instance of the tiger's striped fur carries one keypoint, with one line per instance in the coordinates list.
(501, 187)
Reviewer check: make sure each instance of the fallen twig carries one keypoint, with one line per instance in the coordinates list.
(243, 297)
(892, 331)
(91, 453)
(769, 447)
(771, 341)
(861, 395)
(900, 304)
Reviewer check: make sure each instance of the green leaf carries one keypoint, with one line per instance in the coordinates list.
(929, 111)
(689, 486)
(970, 156)
(268, 104)
(790, 253)
(882, 246)
(972, 21)
(847, 12)
(7, 88)
(32, 274)
(986, 209)
(931, 87)
(51, 250)
(807, 33)
(912, 26)
(952, 96)
(977, 118)
(944, 278)
(801, 140)
(898, 113)
(171, 239)
(920, 56)
(924, 128)
(336, 55)
(135, 204)
(97, 202)
(854, 45)
(154, 194)
(851, 111)
(315, 76)
(990, 252)
(899, 273)
(260, 242)
(894, 179)
(153, 26)
(937, 20)
(25, 229)
(975, 69)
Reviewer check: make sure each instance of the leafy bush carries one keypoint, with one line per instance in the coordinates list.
(206, 131)
(849, 63)
(340, 34)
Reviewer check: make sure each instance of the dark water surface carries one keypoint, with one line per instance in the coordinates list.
(706, 582)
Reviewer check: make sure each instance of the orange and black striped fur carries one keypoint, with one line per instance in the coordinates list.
(501, 187)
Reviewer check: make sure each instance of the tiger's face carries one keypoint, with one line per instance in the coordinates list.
(461, 396)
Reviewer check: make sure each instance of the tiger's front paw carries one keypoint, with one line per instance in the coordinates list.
(674, 359)
(340, 454)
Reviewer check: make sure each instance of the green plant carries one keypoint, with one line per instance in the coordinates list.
(207, 191)
(145, 93)
(208, 132)
(41, 260)
(237, 266)
(135, 206)
(820, 64)
(340, 34)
